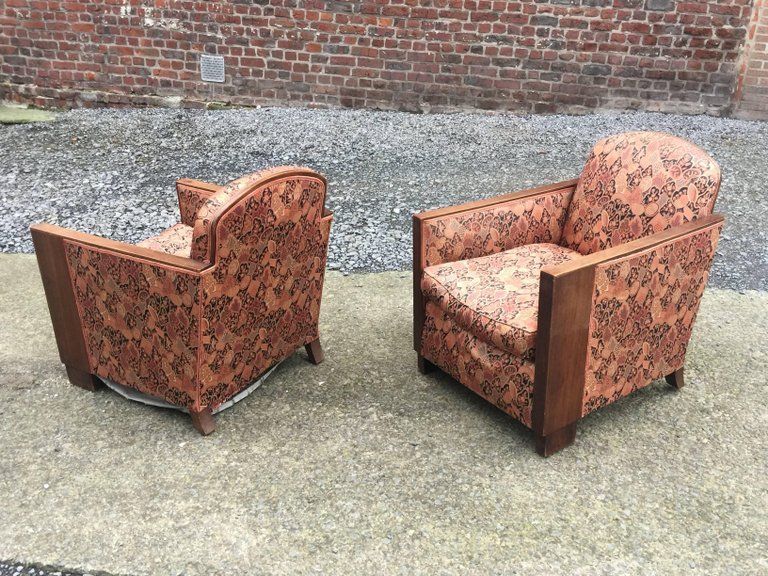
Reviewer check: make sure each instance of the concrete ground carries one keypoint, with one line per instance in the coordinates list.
(363, 466)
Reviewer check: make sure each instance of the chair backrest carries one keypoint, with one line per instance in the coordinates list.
(251, 204)
(635, 184)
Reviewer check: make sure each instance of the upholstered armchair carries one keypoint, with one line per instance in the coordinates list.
(196, 314)
(556, 301)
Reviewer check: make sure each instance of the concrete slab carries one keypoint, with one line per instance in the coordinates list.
(361, 465)
(20, 115)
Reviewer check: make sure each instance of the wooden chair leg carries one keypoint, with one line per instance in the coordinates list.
(675, 379)
(556, 441)
(314, 351)
(83, 380)
(203, 421)
(424, 365)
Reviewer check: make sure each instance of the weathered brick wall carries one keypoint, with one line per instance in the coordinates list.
(420, 55)
(752, 91)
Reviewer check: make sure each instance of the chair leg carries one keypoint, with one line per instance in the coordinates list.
(314, 351)
(424, 365)
(83, 380)
(556, 441)
(675, 379)
(203, 421)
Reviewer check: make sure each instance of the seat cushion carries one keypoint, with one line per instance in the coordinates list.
(176, 240)
(496, 297)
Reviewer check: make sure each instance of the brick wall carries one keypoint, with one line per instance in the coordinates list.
(417, 55)
(752, 90)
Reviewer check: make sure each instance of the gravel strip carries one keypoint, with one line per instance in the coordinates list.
(18, 569)
(111, 172)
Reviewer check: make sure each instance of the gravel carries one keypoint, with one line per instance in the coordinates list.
(111, 172)
(17, 569)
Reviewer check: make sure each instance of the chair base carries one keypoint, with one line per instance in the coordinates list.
(314, 351)
(203, 421)
(675, 379)
(83, 380)
(424, 365)
(555, 441)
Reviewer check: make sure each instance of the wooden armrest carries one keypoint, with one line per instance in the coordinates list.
(634, 247)
(43, 235)
(51, 251)
(566, 295)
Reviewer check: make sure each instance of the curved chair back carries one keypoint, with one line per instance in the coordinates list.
(635, 184)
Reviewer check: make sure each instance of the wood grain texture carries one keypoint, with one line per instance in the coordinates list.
(501, 199)
(208, 187)
(424, 365)
(676, 379)
(561, 348)
(565, 306)
(203, 421)
(52, 261)
(418, 271)
(83, 380)
(314, 351)
(555, 441)
(639, 245)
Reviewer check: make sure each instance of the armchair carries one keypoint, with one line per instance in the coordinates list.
(556, 301)
(195, 314)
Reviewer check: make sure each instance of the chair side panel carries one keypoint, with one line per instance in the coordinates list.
(643, 310)
(140, 322)
(262, 298)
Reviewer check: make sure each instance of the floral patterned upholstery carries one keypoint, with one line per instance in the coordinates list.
(555, 301)
(495, 297)
(175, 240)
(636, 184)
(140, 322)
(197, 333)
(218, 203)
(506, 225)
(504, 379)
(643, 310)
(192, 194)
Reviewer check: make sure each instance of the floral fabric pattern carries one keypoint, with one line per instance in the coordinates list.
(643, 310)
(191, 198)
(140, 322)
(537, 219)
(501, 378)
(261, 300)
(636, 184)
(175, 240)
(216, 204)
(196, 339)
(496, 297)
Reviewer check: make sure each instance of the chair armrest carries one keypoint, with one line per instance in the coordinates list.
(51, 247)
(485, 227)
(45, 235)
(640, 297)
(192, 194)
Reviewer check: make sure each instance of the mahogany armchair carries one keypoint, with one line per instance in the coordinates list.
(196, 314)
(556, 301)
